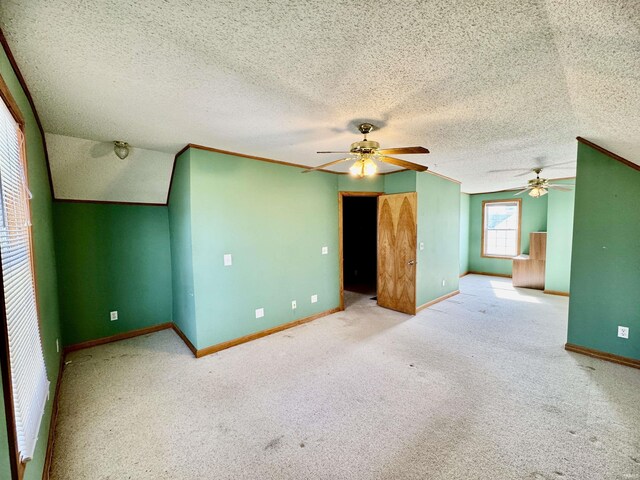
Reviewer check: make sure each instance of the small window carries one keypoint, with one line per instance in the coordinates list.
(501, 228)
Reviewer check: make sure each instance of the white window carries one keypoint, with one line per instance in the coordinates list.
(501, 228)
(29, 383)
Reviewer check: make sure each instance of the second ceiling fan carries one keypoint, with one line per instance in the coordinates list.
(366, 152)
(539, 187)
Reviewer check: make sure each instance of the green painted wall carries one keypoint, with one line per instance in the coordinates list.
(184, 307)
(605, 265)
(464, 232)
(404, 181)
(349, 183)
(534, 219)
(559, 237)
(400, 182)
(274, 222)
(45, 266)
(111, 257)
(439, 231)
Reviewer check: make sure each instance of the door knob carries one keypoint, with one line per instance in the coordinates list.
(411, 262)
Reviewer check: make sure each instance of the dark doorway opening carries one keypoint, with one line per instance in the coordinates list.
(359, 227)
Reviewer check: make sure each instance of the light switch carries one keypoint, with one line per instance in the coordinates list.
(227, 260)
(259, 312)
(325, 250)
(421, 245)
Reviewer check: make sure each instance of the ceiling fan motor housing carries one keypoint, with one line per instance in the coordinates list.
(366, 146)
(538, 182)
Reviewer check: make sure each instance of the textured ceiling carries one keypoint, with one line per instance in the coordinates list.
(491, 87)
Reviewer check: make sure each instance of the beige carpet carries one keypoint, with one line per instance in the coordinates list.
(476, 387)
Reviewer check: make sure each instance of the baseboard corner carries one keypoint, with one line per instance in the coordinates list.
(556, 292)
(185, 339)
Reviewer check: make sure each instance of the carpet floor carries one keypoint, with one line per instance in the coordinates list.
(475, 387)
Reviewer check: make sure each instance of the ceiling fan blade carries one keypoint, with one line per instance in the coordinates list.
(326, 165)
(402, 150)
(564, 188)
(521, 192)
(404, 164)
(559, 164)
(333, 152)
(508, 170)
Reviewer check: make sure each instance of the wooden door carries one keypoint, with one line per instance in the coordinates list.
(397, 237)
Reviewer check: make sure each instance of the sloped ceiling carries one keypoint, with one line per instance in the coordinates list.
(492, 88)
(89, 170)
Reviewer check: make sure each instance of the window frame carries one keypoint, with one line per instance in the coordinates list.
(16, 466)
(483, 253)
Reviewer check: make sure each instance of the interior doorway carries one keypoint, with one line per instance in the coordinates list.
(358, 243)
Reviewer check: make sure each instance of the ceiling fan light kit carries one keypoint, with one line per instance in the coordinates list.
(364, 167)
(367, 152)
(537, 192)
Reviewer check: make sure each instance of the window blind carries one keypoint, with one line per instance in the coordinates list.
(29, 383)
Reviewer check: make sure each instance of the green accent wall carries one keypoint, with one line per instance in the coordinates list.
(400, 182)
(439, 231)
(112, 257)
(559, 237)
(465, 200)
(605, 264)
(45, 268)
(274, 222)
(534, 219)
(349, 183)
(184, 306)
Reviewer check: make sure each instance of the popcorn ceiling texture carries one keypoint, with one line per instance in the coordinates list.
(492, 87)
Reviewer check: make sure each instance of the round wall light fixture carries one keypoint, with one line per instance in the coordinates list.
(121, 149)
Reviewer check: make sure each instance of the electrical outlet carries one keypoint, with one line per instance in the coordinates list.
(259, 312)
(325, 250)
(293, 305)
(57, 345)
(623, 332)
(113, 315)
(314, 298)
